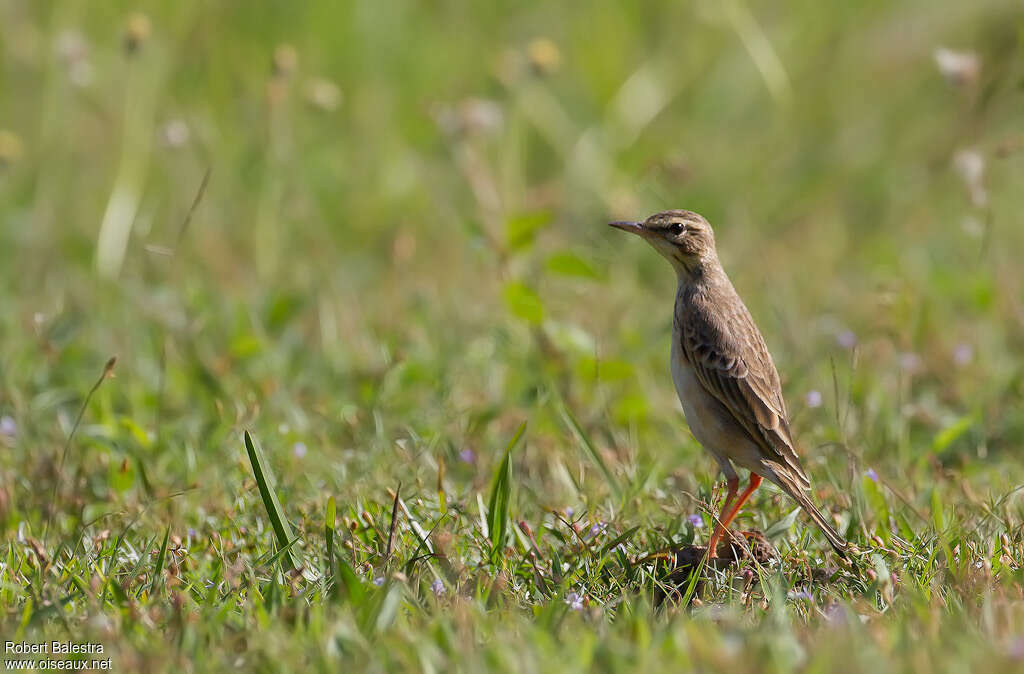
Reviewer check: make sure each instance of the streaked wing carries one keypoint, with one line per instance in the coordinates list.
(731, 361)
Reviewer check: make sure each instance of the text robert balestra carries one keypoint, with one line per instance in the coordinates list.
(51, 648)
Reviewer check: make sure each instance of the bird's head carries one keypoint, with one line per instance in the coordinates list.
(684, 238)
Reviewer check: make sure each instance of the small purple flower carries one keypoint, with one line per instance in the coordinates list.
(802, 593)
(8, 426)
(596, 529)
(695, 520)
(467, 455)
(192, 533)
(437, 587)
(846, 339)
(569, 512)
(575, 601)
(871, 474)
(963, 354)
(378, 581)
(813, 398)
(299, 449)
(911, 362)
(207, 583)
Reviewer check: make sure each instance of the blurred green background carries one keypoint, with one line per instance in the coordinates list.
(400, 254)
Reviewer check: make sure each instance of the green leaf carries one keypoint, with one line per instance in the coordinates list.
(266, 483)
(782, 526)
(245, 346)
(524, 302)
(947, 436)
(137, 432)
(570, 264)
(501, 492)
(521, 229)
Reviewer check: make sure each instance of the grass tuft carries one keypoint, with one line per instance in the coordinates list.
(498, 519)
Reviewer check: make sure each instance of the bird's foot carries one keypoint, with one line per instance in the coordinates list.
(736, 546)
(733, 548)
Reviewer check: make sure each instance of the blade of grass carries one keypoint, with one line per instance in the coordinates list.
(414, 525)
(161, 558)
(694, 580)
(26, 618)
(595, 456)
(501, 490)
(329, 533)
(108, 370)
(618, 540)
(281, 552)
(442, 497)
(266, 483)
(484, 529)
(192, 209)
(346, 577)
(394, 520)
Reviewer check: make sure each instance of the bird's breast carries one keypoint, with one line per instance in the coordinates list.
(691, 392)
(708, 420)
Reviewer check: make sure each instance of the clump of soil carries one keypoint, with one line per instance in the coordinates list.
(734, 548)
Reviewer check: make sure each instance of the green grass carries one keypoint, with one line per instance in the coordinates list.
(381, 288)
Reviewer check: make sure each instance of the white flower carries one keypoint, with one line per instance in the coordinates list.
(958, 67)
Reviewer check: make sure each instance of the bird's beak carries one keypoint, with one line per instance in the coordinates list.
(627, 226)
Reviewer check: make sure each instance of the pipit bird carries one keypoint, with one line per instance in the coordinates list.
(723, 373)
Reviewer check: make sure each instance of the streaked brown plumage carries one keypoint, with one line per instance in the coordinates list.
(726, 380)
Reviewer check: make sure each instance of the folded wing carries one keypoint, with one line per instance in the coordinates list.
(731, 361)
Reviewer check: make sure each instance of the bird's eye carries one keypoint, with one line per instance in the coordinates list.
(676, 228)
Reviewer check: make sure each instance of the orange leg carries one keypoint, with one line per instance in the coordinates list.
(729, 514)
(733, 485)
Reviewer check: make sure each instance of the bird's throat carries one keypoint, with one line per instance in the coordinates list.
(688, 269)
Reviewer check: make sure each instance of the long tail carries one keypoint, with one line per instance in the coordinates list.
(801, 497)
(833, 536)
